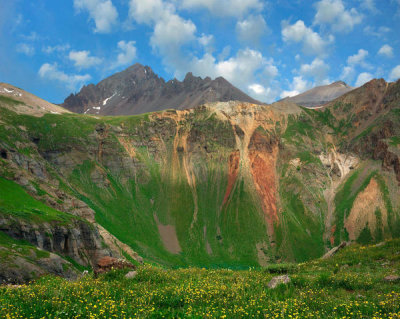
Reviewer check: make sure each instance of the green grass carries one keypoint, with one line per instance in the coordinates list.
(350, 285)
(395, 140)
(15, 201)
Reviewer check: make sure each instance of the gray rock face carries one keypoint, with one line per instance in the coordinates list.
(278, 280)
(139, 90)
(79, 240)
(19, 269)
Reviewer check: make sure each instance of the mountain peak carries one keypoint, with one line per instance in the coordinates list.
(321, 95)
(139, 90)
(341, 83)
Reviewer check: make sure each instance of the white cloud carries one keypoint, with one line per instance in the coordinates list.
(166, 36)
(358, 58)
(57, 48)
(299, 85)
(369, 5)
(103, 13)
(262, 93)
(376, 32)
(395, 73)
(257, 88)
(148, 11)
(386, 50)
(239, 70)
(318, 69)
(206, 40)
(170, 31)
(73, 81)
(251, 29)
(233, 8)
(333, 13)
(348, 74)
(299, 32)
(363, 78)
(26, 49)
(83, 60)
(127, 55)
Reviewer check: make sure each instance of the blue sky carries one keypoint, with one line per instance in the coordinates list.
(269, 49)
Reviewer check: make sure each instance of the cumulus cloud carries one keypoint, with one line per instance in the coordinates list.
(170, 31)
(395, 73)
(298, 85)
(166, 38)
(364, 78)
(102, 12)
(334, 13)
(127, 54)
(26, 49)
(233, 8)
(299, 32)
(72, 81)
(358, 58)
(239, 70)
(251, 29)
(206, 40)
(386, 50)
(83, 60)
(149, 11)
(318, 69)
(348, 74)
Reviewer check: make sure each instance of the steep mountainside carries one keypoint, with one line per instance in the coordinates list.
(225, 184)
(24, 102)
(320, 95)
(139, 90)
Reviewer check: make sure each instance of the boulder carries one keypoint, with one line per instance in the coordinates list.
(278, 280)
(107, 263)
(392, 278)
(130, 275)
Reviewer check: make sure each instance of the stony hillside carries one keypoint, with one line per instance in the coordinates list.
(225, 184)
(139, 90)
(320, 95)
(24, 102)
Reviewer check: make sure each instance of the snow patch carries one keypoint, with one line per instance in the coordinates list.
(8, 91)
(96, 108)
(106, 100)
(52, 112)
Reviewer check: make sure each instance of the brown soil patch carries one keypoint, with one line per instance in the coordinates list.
(233, 170)
(263, 170)
(363, 211)
(168, 237)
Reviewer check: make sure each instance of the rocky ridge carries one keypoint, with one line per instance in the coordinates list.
(139, 90)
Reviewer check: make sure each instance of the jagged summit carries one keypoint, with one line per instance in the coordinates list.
(139, 90)
(321, 95)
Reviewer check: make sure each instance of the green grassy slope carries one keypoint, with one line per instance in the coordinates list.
(177, 176)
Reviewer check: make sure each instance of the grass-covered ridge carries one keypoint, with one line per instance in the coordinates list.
(16, 202)
(350, 285)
